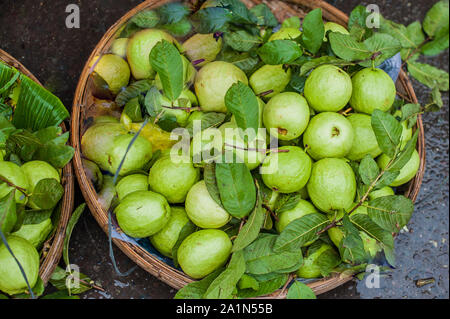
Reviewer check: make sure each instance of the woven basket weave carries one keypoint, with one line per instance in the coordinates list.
(82, 108)
(54, 246)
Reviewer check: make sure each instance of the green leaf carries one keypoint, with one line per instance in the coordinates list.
(280, 52)
(241, 40)
(245, 61)
(409, 113)
(299, 290)
(8, 215)
(264, 16)
(196, 289)
(297, 83)
(133, 110)
(241, 101)
(301, 231)
(314, 63)
(313, 31)
(436, 46)
(66, 286)
(436, 102)
(358, 17)
(223, 286)
(210, 119)
(384, 43)
(252, 227)
(391, 213)
(59, 295)
(409, 37)
(236, 187)
(387, 130)
(405, 155)
(70, 226)
(34, 217)
(248, 282)
(132, 91)
(152, 102)
(47, 193)
(366, 224)
(429, 75)
(166, 61)
(437, 18)
(266, 287)
(387, 178)
(348, 48)
(368, 170)
(146, 19)
(209, 175)
(240, 13)
(178, 29)
(210, 20)
(286, 202)
(187, 229)
(327, 261)
(352, 246)
(172, 12)
(292, 22)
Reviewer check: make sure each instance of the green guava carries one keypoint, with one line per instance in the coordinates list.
(334, 27)
(35, 171)
(192, 98)
(114, 70)
(301, 209)
(142, 214)
(385, 191)
(244, 151)
(407, 172)
(36, 234)
(167, 237)
(202, 47)
(11, 278)
(130, 184)
(93, 173)
(332, 185)
(119, 47)
(212, 84)
(12, 173)
(287, 114)
(286, 34)
(170, 108)
(328, 88)
(105, 119)
(328, 135)
(372, 89)
(203, 210)
(203, 252)
(139, 47)
(206, 146)
(172, 178)
(270, 77)
(309, 267)
(286, 172)
(364, 140)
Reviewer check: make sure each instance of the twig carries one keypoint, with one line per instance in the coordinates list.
(404, 97)
(282, 291)
(266, 207)
(416, 50)
(14, 186)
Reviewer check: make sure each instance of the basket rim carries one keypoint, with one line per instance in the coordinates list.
(140, 256)
(53, 255)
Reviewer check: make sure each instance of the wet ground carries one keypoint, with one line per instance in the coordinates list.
(35, 33)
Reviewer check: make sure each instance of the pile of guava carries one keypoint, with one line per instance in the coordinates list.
(246, 152)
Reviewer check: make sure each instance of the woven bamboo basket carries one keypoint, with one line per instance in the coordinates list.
(82, 109)
(53, 247)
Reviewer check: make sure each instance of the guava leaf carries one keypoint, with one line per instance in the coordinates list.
(241, 40)
(133, 110)
(166, 60)
(297, 83)
(301, 231)
(209, 176)
(315, 63)
(439, 44)
(436, 102)
(286, 202)
(387, 178)
(299, 290)
(34, 217)
(358, 17)
(313, 31)
(245, 61)
(410, 37)
(367, 225)
(437, 18)
(146, 19)
(210, 119)
(178, 29)
(327, 261)
(384, 43)
(47, 193)
(236, 187)
(280, 52)
(429, 75)
(292, 22)
(391, 213)
(241, 101)
(187, 229)
(240, 13)
(172, 12)
(70, 226)
(196, 289)
(152, 102)
(248, 282)
(368, 170)
(59, 295)
(266, 287)
(352, 246)
(405, 155)
(252, 227)
(387, 131)
(348, 48)
(132, 91)
(8, 215)
(59, 281)
(223, 286)
(409, 113)
(264, 15)
(210, 20)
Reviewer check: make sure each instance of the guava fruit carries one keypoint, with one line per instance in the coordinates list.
(105, 119)
(309, 267)
(114, 70)
(332, 185)
(130, 184)
(364, 139)
(170, 108)
(202, 47)
(142, 214)
(301, 209)
(12, 173)
(372, 89)
(407, 172)
(286, 34)
(119, 47)
(173, 179)
(139, 47)
(385, 191)
(291, 172)
(288, 113)
(328, 135)
(93, 173)
(334, 27)
(206, 146)
(203, 252)
(328, 88)
(35, 171)
(244, 151)
(167, 237)
(36, 234)
(270, 77)
(11, 278)
(212, 84)
(202, 210)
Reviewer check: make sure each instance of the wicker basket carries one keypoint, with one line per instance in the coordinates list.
(54, 246)
(82, 108)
